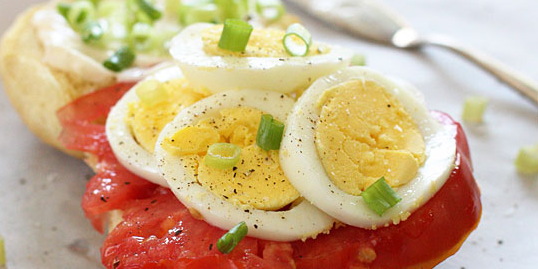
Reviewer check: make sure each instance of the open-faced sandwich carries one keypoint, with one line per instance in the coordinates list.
(61, 50)
(264, 149)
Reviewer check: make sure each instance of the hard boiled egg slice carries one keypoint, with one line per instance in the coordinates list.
(133, 126)
(264, 65)
(255, 190)
(355, 126)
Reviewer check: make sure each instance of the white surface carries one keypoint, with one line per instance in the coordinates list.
(29, 212)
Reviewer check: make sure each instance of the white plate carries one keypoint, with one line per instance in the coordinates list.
(42, 217)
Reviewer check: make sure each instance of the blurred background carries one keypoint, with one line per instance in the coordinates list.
(40, 188)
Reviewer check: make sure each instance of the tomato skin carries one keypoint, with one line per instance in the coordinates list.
(113, 184)
(159, 232)
(426, 238)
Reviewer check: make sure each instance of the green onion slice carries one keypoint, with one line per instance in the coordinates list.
(271, 10)
(222, 155)
(80, 13)
(235, 35)
(230, 239)
(527, 160)
(63, 9)
(151, 92)
(380, 196)
(358, 60)
(297, 32)
(270, 133)
(92, 32)
(200, 13)
(474, 108)
(232, 9)
(142, 36)
(149, 9)
(121, 59)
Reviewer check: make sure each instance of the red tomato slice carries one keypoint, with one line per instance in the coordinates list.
(93, 106)
(83, 130)
(159, 232)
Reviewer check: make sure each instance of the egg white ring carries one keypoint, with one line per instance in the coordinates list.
(284, 75)
(301, 163)
(125, 147)
(300, 222)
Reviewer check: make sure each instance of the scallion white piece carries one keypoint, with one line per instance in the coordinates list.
(527, 160)
(297, 40)
(358, 60)
(222, 155)
(474, 108)
(271, 10)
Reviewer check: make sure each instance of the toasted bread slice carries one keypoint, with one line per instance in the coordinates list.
(36, 90)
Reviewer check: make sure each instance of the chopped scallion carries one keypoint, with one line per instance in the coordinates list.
(380, 196)
(222, 155)
(201, 13)
(229, 240)
(63, 9)
(358, 60)
(173, 6)
(80, 13)
(270, 133)
(110, 8)
(141, 36)
(187, 7)
(235, 35)
(149, 9)
(271, 10)
(232, 9)
(474, 108)
(527, 160)
(151, 92)
(297, 40)
(121, 59)
(92, 32)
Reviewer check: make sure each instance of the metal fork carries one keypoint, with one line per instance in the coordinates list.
(373, 21)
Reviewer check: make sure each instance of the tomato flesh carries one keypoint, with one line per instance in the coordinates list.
(157, 231)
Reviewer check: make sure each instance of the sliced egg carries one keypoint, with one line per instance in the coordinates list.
(206, 198)
(121, 129)
(355, 126)
(264, 65)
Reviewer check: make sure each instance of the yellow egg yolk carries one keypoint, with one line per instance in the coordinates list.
(147, 121)
(363, 133)
(263, 42)
(256, 181)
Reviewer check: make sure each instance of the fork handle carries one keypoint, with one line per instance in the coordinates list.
(521, 83)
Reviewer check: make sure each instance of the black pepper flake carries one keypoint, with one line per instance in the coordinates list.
(235, 174)
(235, 191)
(126, 182)
(178, 232)
(154, 201)
(146, 209)
(247, 211)
(225, 197)
(234, 168)
(500, 242)
(103, 199)
(210, 246)
(255, 226)
(388, 105)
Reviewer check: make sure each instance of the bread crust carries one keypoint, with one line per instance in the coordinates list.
(36, 90)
